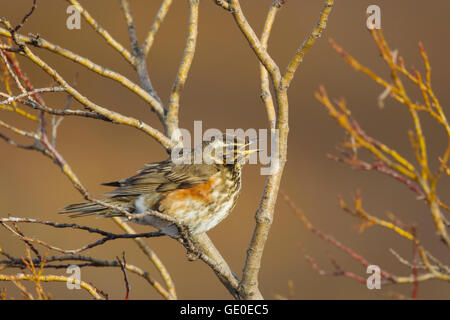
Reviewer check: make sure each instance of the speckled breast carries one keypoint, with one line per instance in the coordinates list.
(202, 207)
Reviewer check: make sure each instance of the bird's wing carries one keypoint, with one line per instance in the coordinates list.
(162, 177)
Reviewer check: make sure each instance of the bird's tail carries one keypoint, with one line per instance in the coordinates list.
(87, 209)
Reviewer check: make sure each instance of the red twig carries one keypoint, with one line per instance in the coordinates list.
(331, 239)
(123, 264)
(415, 260)
(15, 64)
(337, 272)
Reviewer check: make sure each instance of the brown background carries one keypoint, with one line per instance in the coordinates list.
(223, 91)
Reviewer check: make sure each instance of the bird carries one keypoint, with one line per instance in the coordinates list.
(197, 196)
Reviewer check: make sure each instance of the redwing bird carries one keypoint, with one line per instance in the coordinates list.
(198, 196)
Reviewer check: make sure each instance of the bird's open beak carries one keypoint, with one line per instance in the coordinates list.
(245, 154)
(249, 152)
(243, 145)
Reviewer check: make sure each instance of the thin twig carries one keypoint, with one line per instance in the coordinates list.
(53, 278)
(308, 43)
(102, 32)
(138, 56)
(162, 12)
(123, 263)
(183, 70)
(91, 262)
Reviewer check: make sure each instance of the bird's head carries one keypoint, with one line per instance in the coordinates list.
(227, 150)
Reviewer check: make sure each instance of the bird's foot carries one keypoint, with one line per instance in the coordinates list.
(192, 247)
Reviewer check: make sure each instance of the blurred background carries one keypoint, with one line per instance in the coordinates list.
(223, 91)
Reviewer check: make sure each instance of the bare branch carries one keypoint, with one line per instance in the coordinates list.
(139, 58)
(308, 43)
(152, 256)
(15, 144)
(183, 70)
(255, 44)
(25, 18)
(224, 4)
(99, 69)
(111, 115)
(107, 236)
(12, 99)
(53, 278)
(125, 277)
(266, 95)
(19, 131)
(162, 12)
(101, 31)
(91, 262)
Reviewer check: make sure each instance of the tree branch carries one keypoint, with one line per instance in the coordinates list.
(162, 12)
(183, 70)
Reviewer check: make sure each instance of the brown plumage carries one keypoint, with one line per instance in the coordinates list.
(199, 196)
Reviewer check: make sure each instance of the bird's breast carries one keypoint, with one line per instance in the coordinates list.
(203, 206)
